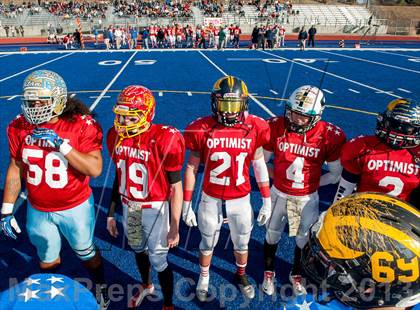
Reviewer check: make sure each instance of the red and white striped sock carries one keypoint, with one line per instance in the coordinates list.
(204, 270)
(240, 269)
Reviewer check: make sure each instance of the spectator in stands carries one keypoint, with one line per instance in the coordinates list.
(22, 30)
(302, 37)
(311, 33)
(17, 30)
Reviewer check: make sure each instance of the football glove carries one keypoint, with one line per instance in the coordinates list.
(265, 212)
(9, 226)
(188, 215)
(48, 135)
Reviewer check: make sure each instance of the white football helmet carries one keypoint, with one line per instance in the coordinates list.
(43, 85)
(308, 101)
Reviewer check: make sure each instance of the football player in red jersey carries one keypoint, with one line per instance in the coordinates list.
(149, 159)
(226, 143)
(301, 143)
(55, 146)
(389, 161)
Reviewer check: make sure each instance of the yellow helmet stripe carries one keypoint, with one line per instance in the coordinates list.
(231, 82)
(393, 103)
(336, 249)
(244, 89)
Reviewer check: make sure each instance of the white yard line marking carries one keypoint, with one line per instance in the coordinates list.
(160, 94)
(13, 97)
(354, 91)
(189, 93)
(404, 90)
(98, 97)
(274, 92)
(397, 54)
(34, 67)
(373, 62)
(93, 106)
(334, 75)
(327, 91)
(262, 106)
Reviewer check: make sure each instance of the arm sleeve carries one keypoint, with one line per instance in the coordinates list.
(347, 185)
(333, 175)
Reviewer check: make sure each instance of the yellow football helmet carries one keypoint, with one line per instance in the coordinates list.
(365, 248)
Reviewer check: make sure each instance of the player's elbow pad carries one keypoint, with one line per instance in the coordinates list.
(260, 170)
(333, 176)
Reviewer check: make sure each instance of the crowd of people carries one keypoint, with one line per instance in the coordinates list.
(173, 36)
(72, 9)
(153, 9)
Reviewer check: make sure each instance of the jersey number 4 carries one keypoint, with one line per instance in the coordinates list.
(295, 172)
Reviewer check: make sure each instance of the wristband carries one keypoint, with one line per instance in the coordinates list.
(7, 208)
(265, 191)
(65, 148)
(188, 195)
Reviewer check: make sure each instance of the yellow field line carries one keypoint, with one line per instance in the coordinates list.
(205, 93)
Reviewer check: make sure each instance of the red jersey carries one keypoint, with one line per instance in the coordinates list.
(227, 153)
(237, 31)
(380, 167)
(152, 31)
(298, 163)
(52, 184)
(142, 162)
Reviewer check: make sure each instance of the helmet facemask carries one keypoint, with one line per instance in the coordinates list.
(229, 111)
(125, 130)
(48, 88)
(396, 133)
(306, 101)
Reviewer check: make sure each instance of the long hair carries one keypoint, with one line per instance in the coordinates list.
(73, 108)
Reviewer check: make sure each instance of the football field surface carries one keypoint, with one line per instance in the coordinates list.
(357, 84)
